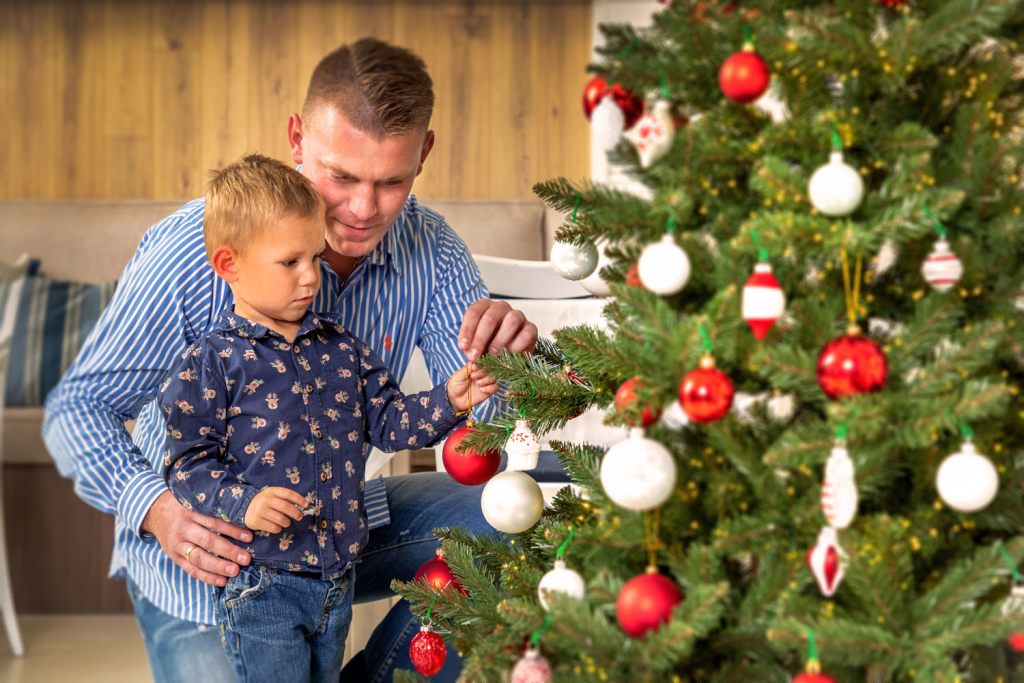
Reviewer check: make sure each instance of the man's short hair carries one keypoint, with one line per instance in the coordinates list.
(249, 195)
(380, 88)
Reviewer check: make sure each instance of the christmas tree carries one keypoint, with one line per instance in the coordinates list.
(821, 296)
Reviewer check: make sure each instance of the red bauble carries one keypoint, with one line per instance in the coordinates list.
(427, 651)
(1016, 642)
(891, 4)
(813, 678)
(744, 76)
(626, 403)
(851, 364)
(468, 467)
(706, 393)
(633, 276)
(646, 602)
(438, 574)
(632, 106)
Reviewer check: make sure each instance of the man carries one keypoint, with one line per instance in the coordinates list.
(397, 275)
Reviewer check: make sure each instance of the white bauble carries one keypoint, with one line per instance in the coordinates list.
(967, 481)
(638, 473)
(594, 283)
(836, 188)
(664, 267)
(522, 447)
(512, 502)
(607, 123)
(563, 580)
(674, 417)
(572, 261)
(839, 490)
(781, 407)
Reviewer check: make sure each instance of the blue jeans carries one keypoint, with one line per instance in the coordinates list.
(280, 626)
(183, 652)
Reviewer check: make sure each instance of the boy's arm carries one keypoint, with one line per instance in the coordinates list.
(394, 420)
(194, 401)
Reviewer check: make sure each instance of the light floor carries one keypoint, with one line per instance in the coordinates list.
(81, 648)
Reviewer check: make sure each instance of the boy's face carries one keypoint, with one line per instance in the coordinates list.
(275, 279)
(364, 180)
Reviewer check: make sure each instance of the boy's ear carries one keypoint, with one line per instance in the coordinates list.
(224, 262)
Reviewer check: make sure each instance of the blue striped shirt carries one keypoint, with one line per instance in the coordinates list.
(410, 291)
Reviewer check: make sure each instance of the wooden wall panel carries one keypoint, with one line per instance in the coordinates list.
(114, 99)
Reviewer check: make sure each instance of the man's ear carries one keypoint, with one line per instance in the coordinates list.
(225, 263)
(428, 144)
(295, 137)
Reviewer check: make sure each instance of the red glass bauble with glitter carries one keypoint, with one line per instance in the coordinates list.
(851, 364)
(427, 651)
(744, 76)
(468, 467)
(646, 602)
(631, 391)
(813, 678)
(632, 106)
(706, 393)
(1016, 642)
(438, 574)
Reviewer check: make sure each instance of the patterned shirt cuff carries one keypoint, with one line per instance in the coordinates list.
(138, 497)
(235, 508)
(449, 418)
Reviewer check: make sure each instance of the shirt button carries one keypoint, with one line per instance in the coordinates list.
(323, 475)
(323, 523)
(309, 388)
(318, 434)
(296, 348)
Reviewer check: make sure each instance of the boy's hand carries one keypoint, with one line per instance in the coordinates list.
(274, 508)
(459, 393)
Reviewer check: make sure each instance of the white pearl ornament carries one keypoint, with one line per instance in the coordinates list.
(836, 188)
(561, 579)
(638, 473)
(664, 267)
(512, 502)
(967, 481)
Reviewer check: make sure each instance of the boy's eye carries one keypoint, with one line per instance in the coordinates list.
(289, 262)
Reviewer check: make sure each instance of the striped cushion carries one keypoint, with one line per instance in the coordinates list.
(51, 321)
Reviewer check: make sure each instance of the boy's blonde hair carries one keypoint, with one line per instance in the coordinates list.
(250, 194)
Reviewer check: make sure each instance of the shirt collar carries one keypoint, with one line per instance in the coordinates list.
(243, 327)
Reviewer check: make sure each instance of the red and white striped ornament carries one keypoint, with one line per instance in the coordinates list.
(839, 490)
(942, 269)
(763, 300)
(826, 561)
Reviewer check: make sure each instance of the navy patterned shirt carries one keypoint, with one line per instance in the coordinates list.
(247, 409)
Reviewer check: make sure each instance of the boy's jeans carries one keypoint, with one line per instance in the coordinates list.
(279, 626)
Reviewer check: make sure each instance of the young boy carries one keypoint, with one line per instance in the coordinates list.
(269, 421)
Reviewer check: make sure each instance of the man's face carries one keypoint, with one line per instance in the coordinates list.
(364, 180)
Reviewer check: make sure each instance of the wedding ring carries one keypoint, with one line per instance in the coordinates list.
(188, 553)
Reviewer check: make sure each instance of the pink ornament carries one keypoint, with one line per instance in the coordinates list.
(826, 561)
(531, 668)
(763, 300)
(839, 491)
(942, 269)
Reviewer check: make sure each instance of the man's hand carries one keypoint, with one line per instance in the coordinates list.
(274, 508)
(490, 326)
(196, 542)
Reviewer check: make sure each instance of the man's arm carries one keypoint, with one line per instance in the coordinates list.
(463, 323)
(117, 372)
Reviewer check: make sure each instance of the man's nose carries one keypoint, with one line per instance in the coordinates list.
(363, 202)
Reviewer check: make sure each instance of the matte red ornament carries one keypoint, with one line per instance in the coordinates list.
(706, 393)
(468, 467)
(427, 651)
(438, 574)
(626, 402)
(1016, 642)
(813, 678)
(632, 106)
(851, 364)
(744, 76)
(633, 276)
(646, 602)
